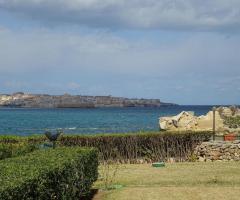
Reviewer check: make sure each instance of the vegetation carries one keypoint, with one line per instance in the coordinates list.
(144, 146)
(232, 122)
(182, 181)
(13, 139)
(68, 172)
(61, 173)
(130, 147)
(8, 150)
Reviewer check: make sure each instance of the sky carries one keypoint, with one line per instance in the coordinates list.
(179, 51)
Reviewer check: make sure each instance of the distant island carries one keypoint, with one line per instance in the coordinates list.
(24, 100)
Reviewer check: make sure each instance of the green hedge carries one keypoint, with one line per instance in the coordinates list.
(142, 147)
(8, 150)
(13, 139)
(62, 173)
(131, 147)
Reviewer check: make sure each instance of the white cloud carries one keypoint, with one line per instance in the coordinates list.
(101, 63)
(210, 15)
(47, 51)
(73, 86)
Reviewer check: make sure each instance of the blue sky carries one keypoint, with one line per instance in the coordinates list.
(184, 51)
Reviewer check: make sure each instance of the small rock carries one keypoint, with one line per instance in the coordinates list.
(201, 159)
(171, 160)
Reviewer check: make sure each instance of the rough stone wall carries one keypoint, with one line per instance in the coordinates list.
(218, 151)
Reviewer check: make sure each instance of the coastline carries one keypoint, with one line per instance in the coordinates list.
(23, 100)
(108, 120)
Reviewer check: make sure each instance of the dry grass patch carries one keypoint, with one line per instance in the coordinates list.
(213, 180)
(175, 193)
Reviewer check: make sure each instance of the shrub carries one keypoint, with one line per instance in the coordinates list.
(132, 147)
(62, 173)
(33, 139)
(232, 122)
(144, 146)
(8, 150)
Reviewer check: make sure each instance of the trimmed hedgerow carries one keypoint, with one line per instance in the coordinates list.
(13, 139)
(132, 147)
(62, 173)
(8, 150)
(147, 147)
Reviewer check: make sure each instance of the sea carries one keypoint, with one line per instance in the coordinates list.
(22, 121)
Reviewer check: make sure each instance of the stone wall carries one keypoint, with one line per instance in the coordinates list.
(218, 151)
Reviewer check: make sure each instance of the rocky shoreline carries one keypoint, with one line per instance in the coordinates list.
(23, 100)
(227, 120)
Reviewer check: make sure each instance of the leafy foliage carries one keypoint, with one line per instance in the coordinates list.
(232, 122)
(33, 139)
(8, 150)
(62, 173)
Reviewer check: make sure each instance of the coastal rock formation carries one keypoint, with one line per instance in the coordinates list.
(73, 101)
(218, 151)
(186, 120)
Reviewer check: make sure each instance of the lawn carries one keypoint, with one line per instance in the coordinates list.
(183, 181)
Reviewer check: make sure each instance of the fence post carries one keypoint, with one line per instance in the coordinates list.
(214, 121)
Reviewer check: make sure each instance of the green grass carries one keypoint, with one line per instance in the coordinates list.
(184, 181)
(176, 193)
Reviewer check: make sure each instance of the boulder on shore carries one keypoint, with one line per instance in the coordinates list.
(187, 121)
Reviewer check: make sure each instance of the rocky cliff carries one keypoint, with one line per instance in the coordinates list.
(73, 101)
(227, 120)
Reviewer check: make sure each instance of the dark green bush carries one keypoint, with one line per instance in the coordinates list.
(33, 139)
(62, 173)
(8, 150)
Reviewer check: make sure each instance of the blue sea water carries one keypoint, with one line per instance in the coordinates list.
(19, 121)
